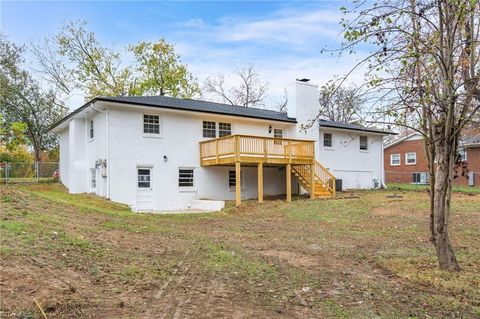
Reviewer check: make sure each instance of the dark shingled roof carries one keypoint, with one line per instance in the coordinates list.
(470, 140)
(200, 106)
(353, 127)
(187, 105)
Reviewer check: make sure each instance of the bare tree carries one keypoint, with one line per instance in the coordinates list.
(424, 70)
(251, 90)
(341, 104)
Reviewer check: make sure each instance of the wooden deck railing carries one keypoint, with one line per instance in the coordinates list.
(246, 148)
(324, 175)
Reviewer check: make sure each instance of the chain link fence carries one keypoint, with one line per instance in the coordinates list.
(35, 172)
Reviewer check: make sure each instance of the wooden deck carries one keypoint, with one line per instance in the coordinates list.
(297, 156)
(248, 149)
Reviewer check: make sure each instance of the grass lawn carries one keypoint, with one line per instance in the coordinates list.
(415, 187)
(368, 257)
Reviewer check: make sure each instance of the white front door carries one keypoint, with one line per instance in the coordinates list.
(144, 189)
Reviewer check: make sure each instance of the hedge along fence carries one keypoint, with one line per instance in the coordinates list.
(35, 172)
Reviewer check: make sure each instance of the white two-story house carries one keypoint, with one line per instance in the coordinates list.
(158, 153)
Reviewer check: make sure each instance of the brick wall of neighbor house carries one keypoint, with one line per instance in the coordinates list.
(404, 173)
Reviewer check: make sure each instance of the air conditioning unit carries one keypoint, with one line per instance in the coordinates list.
(471, 179)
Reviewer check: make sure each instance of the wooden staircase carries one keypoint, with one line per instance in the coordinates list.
(324, 181)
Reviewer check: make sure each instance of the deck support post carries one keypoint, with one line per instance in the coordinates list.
(260, 182)
(312, 181)
(238, 186)
(288, 174)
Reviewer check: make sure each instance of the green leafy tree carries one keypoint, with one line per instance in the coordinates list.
(424, 69)
(161, 72)
(74, 60)
(23, 101)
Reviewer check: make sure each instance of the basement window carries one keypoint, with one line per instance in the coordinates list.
(232, 179)
(363, 143)
(185, 177)
(151, 124)
(209, 129)
(327, 140)
(224, 129)
(419, 178)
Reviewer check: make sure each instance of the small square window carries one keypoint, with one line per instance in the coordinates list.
(185, 177)
(224, 129)
(209, 129)
(410, 158)
(143, 177)
(327, 140)
(394, 159)
(151, 124)
(364, 143)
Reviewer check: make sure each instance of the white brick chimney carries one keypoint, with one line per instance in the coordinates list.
(303, 105)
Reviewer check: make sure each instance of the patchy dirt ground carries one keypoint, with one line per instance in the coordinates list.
(368, 257)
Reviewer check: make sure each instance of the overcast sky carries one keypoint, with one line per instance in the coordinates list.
(282, 39)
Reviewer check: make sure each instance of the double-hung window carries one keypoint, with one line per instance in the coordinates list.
(327, 140)
(411, 158)
(151, 124)
(224, 129)
(185, 178)
(278, 133)
(395, 160)
(209, 129)
(363, 143)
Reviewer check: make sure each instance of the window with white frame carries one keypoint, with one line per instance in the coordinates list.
(224, 129)
(185, 177)
(93, 178)
(90, 130)
(395, 160)
(143, 177)
(363, 143)
(411, 158)
(151, 124)
(462, 155)
(209, 129)
(327, 140)
(419, 178)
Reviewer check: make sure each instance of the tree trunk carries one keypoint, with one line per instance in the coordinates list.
(441, 208)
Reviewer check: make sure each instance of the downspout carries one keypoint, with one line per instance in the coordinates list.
(107, 126)
(384, 185)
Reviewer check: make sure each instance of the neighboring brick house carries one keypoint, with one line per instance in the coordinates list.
(405, 161)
